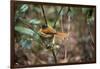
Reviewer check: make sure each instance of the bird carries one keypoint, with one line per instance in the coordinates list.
(47, 31)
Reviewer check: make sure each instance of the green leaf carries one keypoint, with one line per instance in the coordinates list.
(25, 43)
(24, 30)
(34, 21)
(24, 8)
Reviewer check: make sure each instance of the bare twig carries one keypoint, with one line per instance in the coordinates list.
(57, 17)
(61, 23)
(44, 13)
(53, 52)
(69, 10)
(90, 12)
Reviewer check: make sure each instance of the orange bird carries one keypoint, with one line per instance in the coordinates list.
(47, 31)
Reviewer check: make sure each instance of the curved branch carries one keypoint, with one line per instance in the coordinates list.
(57, 17)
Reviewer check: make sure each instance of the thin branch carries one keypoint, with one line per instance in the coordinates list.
(91, 35)
(57, 17)
(44, 14)
(69, 10)
(53, 52)
(54, 55)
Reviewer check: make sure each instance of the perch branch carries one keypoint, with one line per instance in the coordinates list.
(53, 52)
(54, 25)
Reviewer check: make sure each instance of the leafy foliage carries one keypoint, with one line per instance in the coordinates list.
(25, 43)
(34, 21)
(74, 25)
(24, 8)
(24, 30)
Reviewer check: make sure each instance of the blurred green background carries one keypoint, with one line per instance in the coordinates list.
(78, 21)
